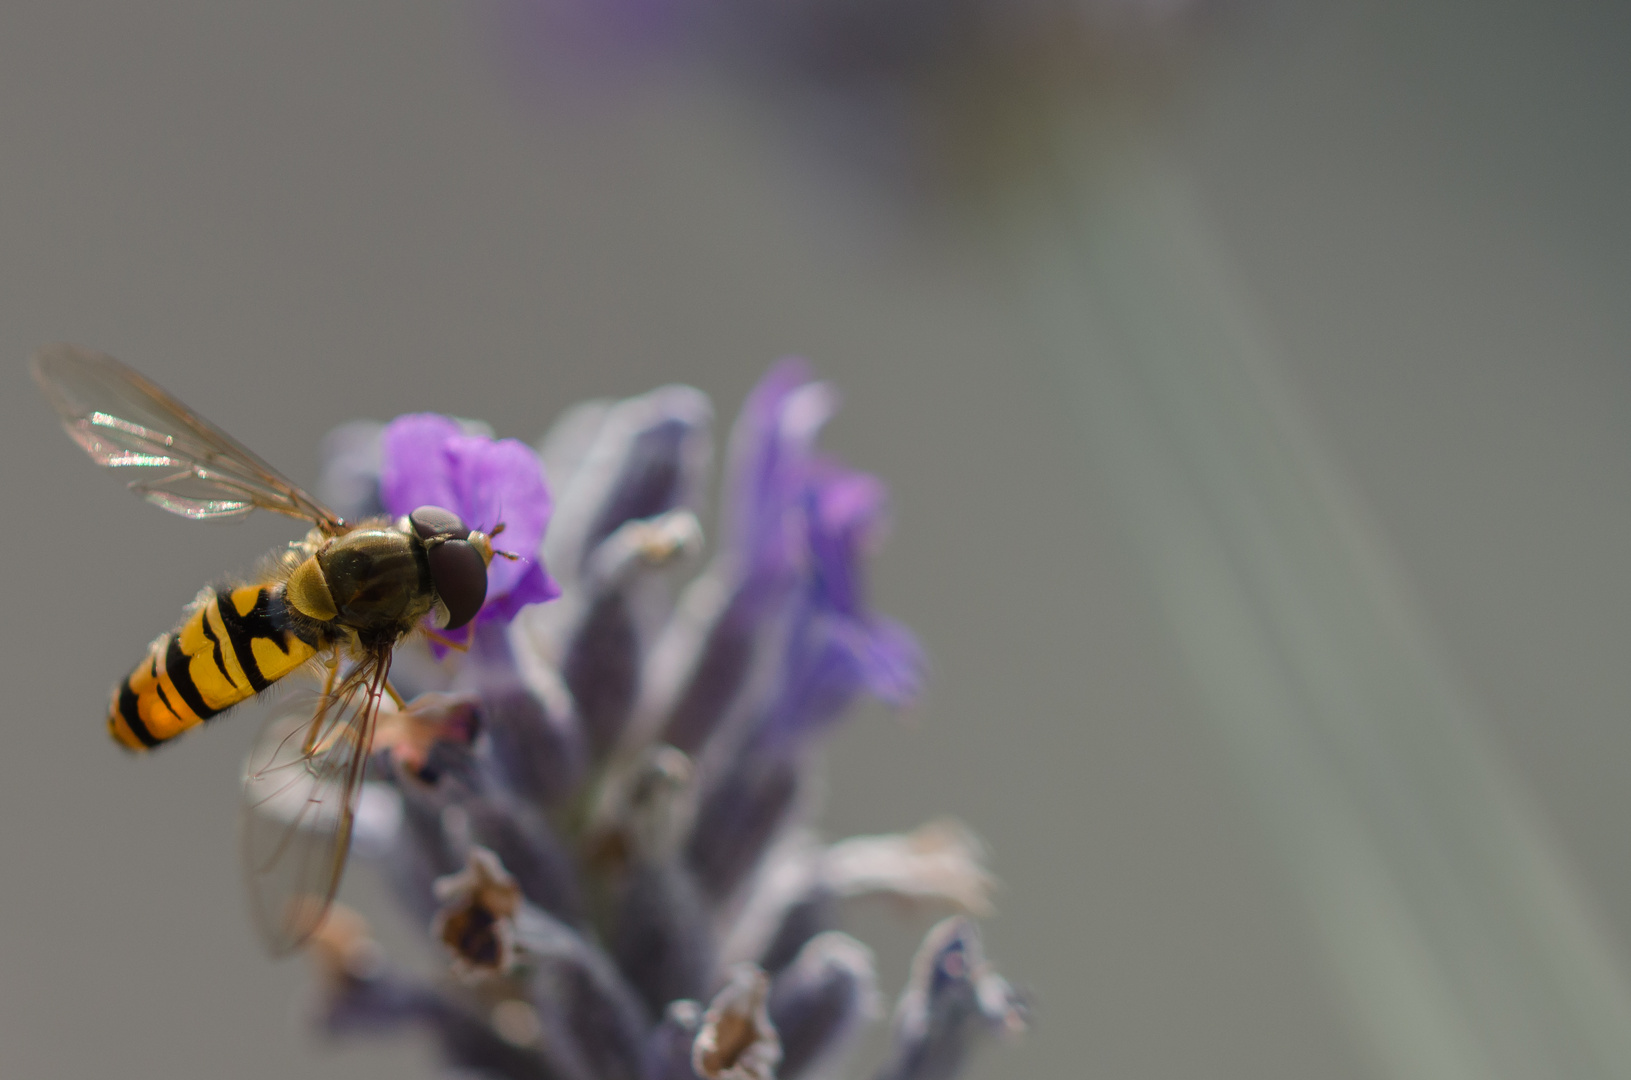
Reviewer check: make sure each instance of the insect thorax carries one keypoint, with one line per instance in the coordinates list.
(379, 580)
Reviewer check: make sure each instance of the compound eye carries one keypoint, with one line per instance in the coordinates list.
(435, 523)
(460, 576)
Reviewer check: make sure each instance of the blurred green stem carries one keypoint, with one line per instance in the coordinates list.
(1459, 941)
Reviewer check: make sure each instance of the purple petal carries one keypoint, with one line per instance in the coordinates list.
(413, 469)
(803, 526)
(833, 659)
(892, 662)
(499, 482)
(846, 515)
(429, 460)
(771, 449)
(535, 586)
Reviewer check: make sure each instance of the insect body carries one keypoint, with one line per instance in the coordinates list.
(232, 646)
(339, 600)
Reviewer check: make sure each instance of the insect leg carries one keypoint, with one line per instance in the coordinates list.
(333, 671)
(314, 730)
(442, 639)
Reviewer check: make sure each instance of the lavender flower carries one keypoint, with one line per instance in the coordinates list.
(600, 812)
(838, 41)
(429, 460)
(917, 89)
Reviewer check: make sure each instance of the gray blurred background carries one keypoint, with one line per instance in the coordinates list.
(294, 214)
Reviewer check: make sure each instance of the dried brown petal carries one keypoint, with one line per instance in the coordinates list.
(736, 1041)
(476, 919)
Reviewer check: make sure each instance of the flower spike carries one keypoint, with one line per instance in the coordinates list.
(600, 809)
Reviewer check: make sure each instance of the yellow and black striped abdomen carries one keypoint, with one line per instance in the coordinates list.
(230, 648)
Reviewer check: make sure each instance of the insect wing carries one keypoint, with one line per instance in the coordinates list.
(186, 465)
(300, 793)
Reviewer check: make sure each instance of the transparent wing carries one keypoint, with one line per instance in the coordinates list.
(301, 784)
(183, 463)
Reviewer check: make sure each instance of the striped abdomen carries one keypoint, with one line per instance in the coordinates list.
(231, 647)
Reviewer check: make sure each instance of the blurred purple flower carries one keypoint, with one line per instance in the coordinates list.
(845, 41)
(803, 524)
(603, 825)
(429, 460)
(837, 648)
(918, 91)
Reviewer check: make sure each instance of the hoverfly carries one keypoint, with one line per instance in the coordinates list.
(338, 601)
